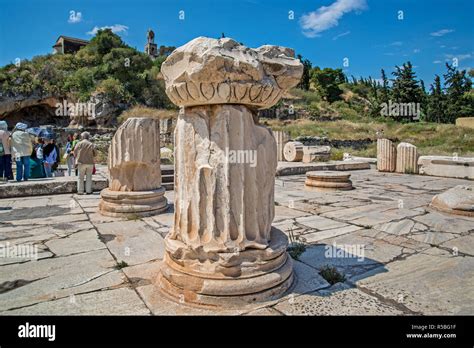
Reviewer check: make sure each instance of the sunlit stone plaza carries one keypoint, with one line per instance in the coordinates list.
(396, 254)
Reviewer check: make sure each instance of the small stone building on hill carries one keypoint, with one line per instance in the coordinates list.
(65, 44)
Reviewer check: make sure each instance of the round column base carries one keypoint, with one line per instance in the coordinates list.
(328, 181)
(229, 279)
(132, 204)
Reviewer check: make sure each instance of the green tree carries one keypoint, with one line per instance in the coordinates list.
(305, 78)
(385, 91)
(459, 102)
(436, 103)
(405, 86)
(327, 81)
(103, 42)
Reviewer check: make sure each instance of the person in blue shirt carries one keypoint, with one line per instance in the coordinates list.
(50, 157)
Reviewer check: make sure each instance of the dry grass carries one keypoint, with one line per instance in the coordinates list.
(430, 138)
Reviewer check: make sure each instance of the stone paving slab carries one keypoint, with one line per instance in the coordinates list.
(32, 282)
(433, 282)
(416, 260)
(133, 242)
(342, 300)
(125, 302)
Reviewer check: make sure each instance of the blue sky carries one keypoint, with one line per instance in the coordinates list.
(368, 33)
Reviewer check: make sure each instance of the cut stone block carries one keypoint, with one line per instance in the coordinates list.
(447, 166)
(316, 153)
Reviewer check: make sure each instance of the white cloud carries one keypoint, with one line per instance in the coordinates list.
(437, 62)
(442, 32)
(459, 57)
(116, 28)
(396, 43)
(326, 17)
(74, 17)
(341, 35)
(416, 50)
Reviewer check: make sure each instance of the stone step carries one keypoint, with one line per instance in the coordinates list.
(167, 178)
(48, 186)
(297, 168)
(169, 186)
(167, 169)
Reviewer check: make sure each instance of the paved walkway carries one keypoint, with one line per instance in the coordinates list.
(397, 255)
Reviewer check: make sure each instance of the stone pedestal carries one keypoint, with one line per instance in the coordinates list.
(458, 200)
(293, 151)
(386, 155)
(134, 170)
(407, 159)
(281, 138)
(222, 249)
(328, 181)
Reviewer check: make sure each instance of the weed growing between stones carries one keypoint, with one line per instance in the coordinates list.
(121, 264)
(295, 248)
(332, 275)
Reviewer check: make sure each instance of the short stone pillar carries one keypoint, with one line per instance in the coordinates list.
(407, 159)
(134, 169)
(328, 181)
(316, 153)
(293, 151)
(386, 155)
(222, 248)
(281, 138)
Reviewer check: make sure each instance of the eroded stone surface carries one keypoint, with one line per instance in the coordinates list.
(457, 200)
(210, 71)
(342, 300)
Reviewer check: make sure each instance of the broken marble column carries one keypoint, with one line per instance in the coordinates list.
(281, 138)
(134, 169)
(386, 155)
(407, 159)
(222, 248)
(293, 151)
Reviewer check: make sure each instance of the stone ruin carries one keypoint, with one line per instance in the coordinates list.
(134, 169)
(222, 249)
